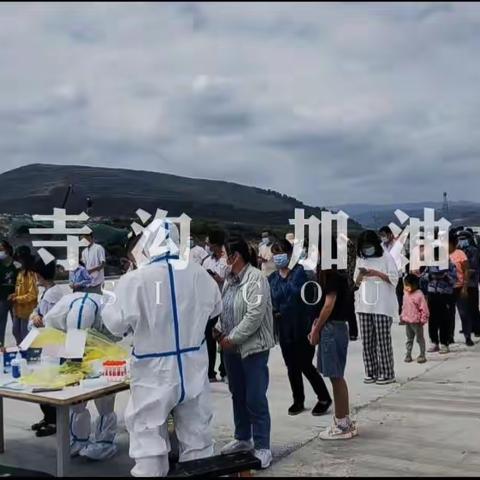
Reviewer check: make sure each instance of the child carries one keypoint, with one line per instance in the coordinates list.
(79, 278)
(415, 315)
(332, 322)
(24, 299)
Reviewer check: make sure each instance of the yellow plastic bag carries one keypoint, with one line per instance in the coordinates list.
(49, 337)
(50, 377)
(99, 347)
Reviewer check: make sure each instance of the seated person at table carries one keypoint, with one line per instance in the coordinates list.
(83, 310)
(51, 294)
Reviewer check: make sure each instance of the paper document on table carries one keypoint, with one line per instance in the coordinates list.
(75, 343)
(29, 339)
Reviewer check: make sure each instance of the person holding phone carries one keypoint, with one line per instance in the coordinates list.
(216, 265)
(376, 277)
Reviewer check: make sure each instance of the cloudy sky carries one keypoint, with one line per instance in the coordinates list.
(331, 103)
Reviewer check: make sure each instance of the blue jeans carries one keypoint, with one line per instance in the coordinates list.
(248, 384)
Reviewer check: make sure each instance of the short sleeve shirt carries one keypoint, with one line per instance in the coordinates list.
(92, 257)
(336, 282)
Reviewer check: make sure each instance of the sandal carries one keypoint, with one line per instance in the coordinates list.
(46, 431)
(39, 425)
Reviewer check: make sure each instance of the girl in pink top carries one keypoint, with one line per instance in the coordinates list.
(415, 315)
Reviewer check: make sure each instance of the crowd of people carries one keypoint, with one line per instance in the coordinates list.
(232, 304)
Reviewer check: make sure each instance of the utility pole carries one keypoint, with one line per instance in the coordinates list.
(445, 205)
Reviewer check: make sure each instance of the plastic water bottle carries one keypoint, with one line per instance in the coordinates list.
(2, 362)
(16, 362)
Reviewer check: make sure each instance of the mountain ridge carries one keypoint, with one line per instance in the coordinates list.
(38, 188)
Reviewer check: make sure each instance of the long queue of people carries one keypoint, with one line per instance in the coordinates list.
(373, 290)
(243, 300)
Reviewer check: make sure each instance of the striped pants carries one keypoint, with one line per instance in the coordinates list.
(377, 345)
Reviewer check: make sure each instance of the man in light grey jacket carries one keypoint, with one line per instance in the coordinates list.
(245, 331)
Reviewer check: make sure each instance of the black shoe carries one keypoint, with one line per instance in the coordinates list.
(353, 338)
(46, 431)
(213, 379)
(477, 335)
(321, 408)
(469, 342)
(39, 425)
(461, 332)
(296, 408)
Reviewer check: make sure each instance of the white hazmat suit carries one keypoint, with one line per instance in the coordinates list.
(167, 309)
(83, 310)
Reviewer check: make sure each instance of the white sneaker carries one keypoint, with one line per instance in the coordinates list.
(444, 349)
(237, 446)
(385, 381)
(335, 432)
(369, 380)
(265, 457)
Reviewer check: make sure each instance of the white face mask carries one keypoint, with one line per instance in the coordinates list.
(3, 255)
(369, 251)
(17, 264)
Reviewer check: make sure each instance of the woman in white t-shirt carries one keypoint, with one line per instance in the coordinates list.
(376, 276)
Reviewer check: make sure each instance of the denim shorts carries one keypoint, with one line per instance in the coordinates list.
(332, 350)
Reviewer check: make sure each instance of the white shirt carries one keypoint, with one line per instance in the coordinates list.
(395, 249)
(197, 254)
(92, 257)
(375, 295)
(216, 265)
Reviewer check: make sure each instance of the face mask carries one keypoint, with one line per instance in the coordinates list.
(463, 243)
(384, 239)
(208, 249)
(191, 243)
(17, 264)
(281, 260)
(264, 241)
(3, 255)
(368, 251)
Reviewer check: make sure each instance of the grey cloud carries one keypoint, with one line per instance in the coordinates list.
(386, 94)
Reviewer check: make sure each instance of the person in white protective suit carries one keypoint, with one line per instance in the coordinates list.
(167, 307)
(83, 310)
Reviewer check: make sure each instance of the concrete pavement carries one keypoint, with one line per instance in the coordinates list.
(429, 426)
(432, 412)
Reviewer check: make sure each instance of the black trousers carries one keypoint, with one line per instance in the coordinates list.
(439, 325)
(49, 414)
(298, 357)
(473, 302)
(212, 350)
(399, 293)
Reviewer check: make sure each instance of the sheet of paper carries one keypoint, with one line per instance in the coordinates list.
(75, 343)
(29, 339)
